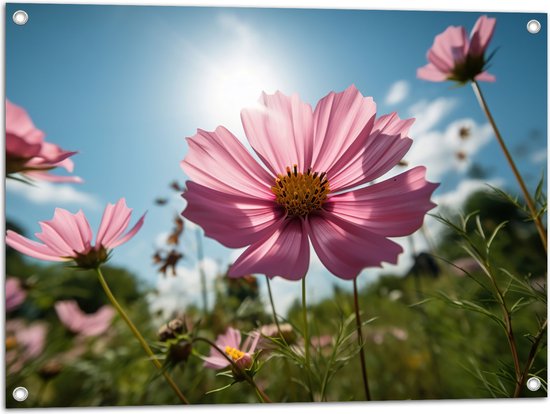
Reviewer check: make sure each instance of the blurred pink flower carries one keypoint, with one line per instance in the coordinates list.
(230, 343)
(27, 152)
(23, 342)
(15, 294)
(69, 236)
(78, 322)
(455, 57)
(322, 341)
(464, 266)
(316, 162)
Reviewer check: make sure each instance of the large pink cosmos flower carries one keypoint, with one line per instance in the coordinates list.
(78, 322)
(230, 343)
(455, 57)
(27, 152)
(15, 294)
(317, 162)
(69, 236)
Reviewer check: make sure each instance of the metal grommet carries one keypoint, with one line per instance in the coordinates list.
(20, 17)
(533, 26)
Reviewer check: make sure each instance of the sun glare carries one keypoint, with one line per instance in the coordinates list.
(235, 84)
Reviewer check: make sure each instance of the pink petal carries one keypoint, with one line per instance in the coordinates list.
(70, 315)
(131, 233)
(280, 131)
(251, 343)
(448, 48)
(219, 161)
(431, 73)
(19, 148)
(31, 248)
(481, 35)
(97, 323)
(485, 77)
(62, 232)
(84, 228)
(113, 223)
(231, 338)
(51, 154)
(385, 147)
(33, 339)
(15, 294)
(234, 221)
(19, 123)
(395, 207)
(342, 123)
(346, 248)
(284, 253)
(46, 176)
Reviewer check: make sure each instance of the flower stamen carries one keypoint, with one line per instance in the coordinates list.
(234, 353)
(301, 193)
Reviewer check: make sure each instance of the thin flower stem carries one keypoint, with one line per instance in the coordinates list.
(261, 394)
(200, 261)
(273, 306)
(530, 359)
(306, 339)
(40, 394)
(306, 333)
(138, 336)
(508, 325)
(360, 340)
(530, 204)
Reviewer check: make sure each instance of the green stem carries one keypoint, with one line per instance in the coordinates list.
(40, 393)
(200, 258)
(306, 339)
(138, 335)
(530, 359)
(360, 341)
(530, 204)
(273, 307)
(304, 314)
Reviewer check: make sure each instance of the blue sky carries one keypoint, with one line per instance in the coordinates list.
(125, 85)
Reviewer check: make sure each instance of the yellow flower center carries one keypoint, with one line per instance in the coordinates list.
(300, 193)
(234, 353)
(11, 342)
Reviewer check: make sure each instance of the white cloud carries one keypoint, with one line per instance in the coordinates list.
(398, 92)
(437, 150)
(175, 293)
(538, 157)
(47, 193)
(429, 114)
(452, 200)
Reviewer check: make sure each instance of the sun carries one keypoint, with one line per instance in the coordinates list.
(236, 82)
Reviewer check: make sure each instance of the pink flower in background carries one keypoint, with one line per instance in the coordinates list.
(69, 236)
(27, 152)
(455, 57)
(82, 323)
(23, 343)
(15, 294)
(313, 187)
(230, 343)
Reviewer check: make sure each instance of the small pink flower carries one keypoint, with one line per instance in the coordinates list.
(318, 163)
(23, 343)
(78, 322)
(230, 343)
(15, 294)
(455, 57)
(27, 153)
(69, 236)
